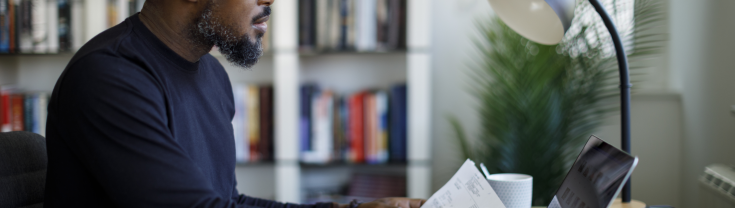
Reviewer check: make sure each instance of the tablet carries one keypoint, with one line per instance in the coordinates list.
(596, 177)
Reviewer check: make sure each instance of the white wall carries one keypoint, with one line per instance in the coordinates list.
(702, 65)
(453, 50)
(656, 138)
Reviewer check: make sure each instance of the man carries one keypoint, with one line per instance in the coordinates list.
(141, 115)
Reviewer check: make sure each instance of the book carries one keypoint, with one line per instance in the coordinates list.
(265, 145)
(321, 120)
(328, 22)
(322, 24)
(77, 24)
(39, 26)
(25, 32)
(333, 24)
(389, 24)
(365, 25)
(238, 124)
(5, 108)
(12, 8)
(305, 94)
(253, 121)
(52, 26)
(357, 127)
(16, 112)
(338, 129)
(307, 27)
(381, 125)
(40, 112)
(28, 116)
(4, 27)
(344, 119)
(381, 26)
(398, 123)
(345, 8)
(64, 25)
(371, 129)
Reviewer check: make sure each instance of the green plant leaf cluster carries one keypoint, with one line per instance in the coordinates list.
(539, 103)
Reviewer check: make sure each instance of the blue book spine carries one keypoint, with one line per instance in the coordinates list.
(4, 27)
(398, 123)
(28, 113)
(344, 114)
(343, 27)
(306, 93)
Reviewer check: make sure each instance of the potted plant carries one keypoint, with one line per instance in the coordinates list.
(539, 103)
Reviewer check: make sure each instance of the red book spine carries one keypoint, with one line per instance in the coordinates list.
(5, 111)
(356, 128)
(17, 112)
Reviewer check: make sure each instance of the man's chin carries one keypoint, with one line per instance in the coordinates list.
(242, 57)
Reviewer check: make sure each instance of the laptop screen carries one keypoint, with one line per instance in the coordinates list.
(595, 178)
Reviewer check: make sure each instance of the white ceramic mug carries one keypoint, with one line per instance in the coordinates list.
(515, 190)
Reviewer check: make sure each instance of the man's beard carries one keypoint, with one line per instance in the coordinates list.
(239, 50)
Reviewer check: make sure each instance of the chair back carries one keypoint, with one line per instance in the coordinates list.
(23, 162)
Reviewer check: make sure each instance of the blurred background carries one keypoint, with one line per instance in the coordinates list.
(356, 98)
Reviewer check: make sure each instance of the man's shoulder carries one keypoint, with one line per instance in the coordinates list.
(107, 41)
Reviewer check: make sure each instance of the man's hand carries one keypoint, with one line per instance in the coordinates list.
(394, 202)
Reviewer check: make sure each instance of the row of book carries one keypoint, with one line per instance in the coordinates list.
(22, 111)
(365, 127)
(361, 25)
(52, 26)
(253, 123)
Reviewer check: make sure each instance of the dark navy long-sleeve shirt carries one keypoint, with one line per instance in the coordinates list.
(133, 124)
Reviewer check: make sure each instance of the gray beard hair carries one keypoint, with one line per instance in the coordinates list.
(238, 50)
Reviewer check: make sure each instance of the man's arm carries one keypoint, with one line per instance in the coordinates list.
(112, 114)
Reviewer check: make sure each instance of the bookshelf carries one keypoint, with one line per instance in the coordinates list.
(286, 68)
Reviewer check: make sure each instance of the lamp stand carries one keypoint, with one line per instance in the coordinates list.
(624, 86)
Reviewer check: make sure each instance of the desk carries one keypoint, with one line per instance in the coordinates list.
(618, 204)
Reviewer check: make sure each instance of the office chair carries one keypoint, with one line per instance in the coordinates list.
(23, 162)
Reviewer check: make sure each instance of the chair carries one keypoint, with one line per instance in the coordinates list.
(23, 162)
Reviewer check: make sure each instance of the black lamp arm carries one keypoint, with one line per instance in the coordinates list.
(624, 85)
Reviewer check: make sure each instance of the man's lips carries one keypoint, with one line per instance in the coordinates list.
(261, 25)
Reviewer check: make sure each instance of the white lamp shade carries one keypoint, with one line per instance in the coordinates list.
(540, 21)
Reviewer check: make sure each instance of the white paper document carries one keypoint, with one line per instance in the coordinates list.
(466, 189)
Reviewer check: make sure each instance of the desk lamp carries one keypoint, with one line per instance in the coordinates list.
(545, 22)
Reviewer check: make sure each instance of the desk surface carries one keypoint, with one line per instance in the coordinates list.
(618, 204)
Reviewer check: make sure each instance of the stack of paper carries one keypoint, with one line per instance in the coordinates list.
(466, 189)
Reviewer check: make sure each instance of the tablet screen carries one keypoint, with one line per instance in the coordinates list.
(595, 178)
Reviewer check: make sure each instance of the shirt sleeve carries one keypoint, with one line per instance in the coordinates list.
(113, 116)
